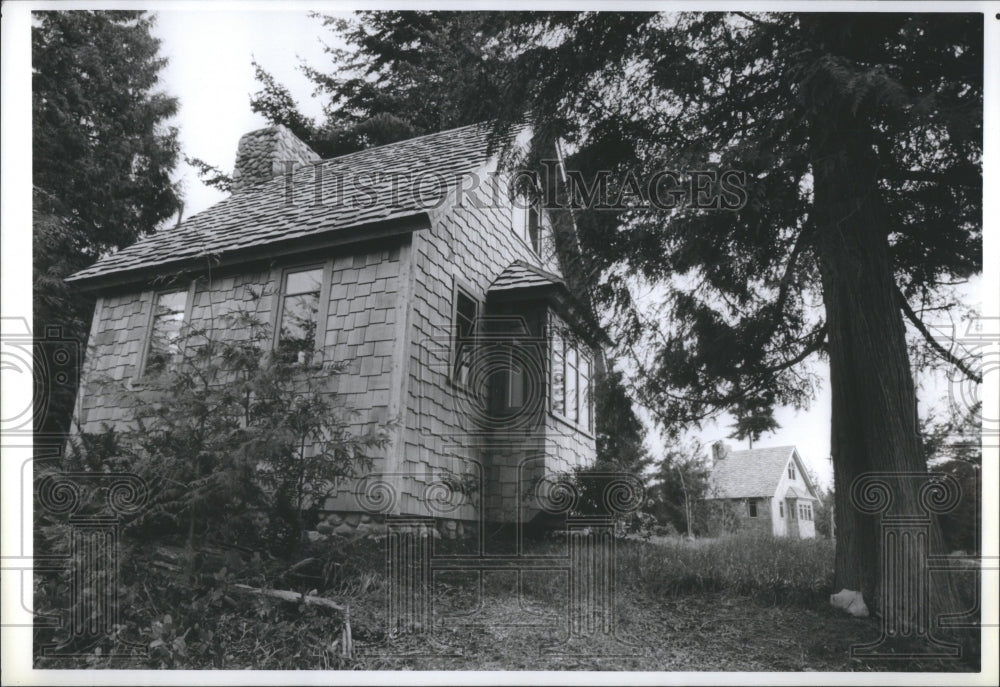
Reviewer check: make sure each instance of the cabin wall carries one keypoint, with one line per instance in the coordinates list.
(364, 302)
(468, 244)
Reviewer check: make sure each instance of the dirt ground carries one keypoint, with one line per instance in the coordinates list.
(707, 632)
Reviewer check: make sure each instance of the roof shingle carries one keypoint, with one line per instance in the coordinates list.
(749, 474)
(388, 182)
(521, 275)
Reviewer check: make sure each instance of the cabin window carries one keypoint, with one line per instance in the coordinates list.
(466, 312)
(781, 508)
(752, 507)
(805, 511)
(569, 382)
(558, 381)
(515, 382)
(586, 410)
(164, 349)
(791, 472)
(527, 222)
(297, 319)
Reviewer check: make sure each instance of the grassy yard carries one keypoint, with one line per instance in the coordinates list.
(738, 604)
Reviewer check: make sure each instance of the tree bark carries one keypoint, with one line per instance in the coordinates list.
(874, 405)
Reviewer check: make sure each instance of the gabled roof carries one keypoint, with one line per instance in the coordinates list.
(370, 186)
(522, 275)
(749, 474)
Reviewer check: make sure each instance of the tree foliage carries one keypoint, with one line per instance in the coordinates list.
(857, 141)
(102, 156)
(620, 433)
(680, 485)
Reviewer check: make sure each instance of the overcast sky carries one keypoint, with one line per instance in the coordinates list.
(210, 71)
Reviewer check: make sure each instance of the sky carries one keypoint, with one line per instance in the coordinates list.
(210, 71)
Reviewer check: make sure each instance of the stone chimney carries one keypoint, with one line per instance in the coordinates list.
(264, 154)
(719, 451)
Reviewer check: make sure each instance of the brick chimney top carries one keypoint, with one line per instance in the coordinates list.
(720, 450)
(264, 154)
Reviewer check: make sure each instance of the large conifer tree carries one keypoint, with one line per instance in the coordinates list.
(102, 158)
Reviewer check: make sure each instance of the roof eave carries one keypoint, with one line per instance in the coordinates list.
(330, 238)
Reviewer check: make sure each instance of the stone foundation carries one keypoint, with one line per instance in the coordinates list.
(333, 526)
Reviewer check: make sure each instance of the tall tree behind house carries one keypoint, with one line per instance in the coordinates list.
(102, 158)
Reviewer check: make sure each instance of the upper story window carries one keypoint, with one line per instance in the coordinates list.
(466, 313)
(791, 472)
(569, 382)
(298, 314)
(164, 339)
(527, 222)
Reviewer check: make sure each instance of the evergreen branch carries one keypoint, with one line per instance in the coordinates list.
(934, 344)
(819, 337)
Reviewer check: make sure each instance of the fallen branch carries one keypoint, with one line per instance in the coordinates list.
(290, 597)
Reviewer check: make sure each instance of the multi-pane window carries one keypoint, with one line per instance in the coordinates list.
(465, 329)
(168, 319)
(805, 511)
(752, 507)
(300, 295)
(791, 472)
(570, 382)
(558, 381)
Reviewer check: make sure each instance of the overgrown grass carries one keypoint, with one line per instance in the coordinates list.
(736, 603)
(775, 570)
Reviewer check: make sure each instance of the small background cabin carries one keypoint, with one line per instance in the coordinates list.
(765, 489)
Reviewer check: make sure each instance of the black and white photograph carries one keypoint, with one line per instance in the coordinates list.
(640, 343)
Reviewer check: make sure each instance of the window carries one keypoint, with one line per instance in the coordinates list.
(297, 320)
(527, 222)
(586, 410)
(515, 383)
(558, 385)
(781, 508)
(570, 382)
(466, 311)
(572, 400)
(791, 472)
(752, 507)
(805, 511)
(168, 319)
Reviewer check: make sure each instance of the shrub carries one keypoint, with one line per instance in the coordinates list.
(223, 431)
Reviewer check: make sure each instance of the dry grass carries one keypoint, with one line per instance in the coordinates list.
(722, 605)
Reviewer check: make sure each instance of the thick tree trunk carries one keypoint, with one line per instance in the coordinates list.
(874, 406)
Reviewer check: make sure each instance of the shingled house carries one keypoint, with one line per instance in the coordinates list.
(764, 489)
(458, 313)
